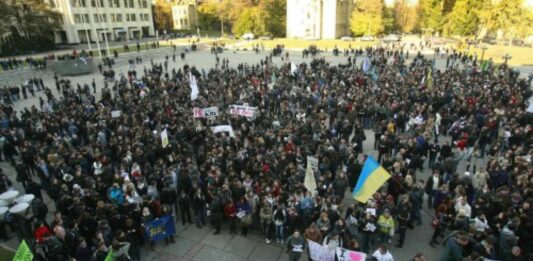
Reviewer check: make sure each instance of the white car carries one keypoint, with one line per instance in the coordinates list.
(347, 38)
(367, 38)
(392, 38)
(248, 36)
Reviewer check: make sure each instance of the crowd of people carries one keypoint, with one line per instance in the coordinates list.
(108, 176)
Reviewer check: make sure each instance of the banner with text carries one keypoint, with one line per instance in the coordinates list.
(242, 110)
(159, 228)
(205, 112)
(317, 252)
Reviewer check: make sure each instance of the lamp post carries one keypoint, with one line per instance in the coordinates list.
(506, 57)
(483, 48)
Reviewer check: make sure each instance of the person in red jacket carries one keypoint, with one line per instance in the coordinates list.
(41, 232)
(230, 212)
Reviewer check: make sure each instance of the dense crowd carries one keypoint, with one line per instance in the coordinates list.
(108, 176)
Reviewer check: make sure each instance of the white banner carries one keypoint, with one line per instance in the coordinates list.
(242, 110)
(224, 128)
(313, 162)
(205, 112)
(194, 87)
(318, 252)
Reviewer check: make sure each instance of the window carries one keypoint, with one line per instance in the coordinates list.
(113, 18)
(119, 17)
(77, 19)
(104, 18)
(144, 4)
(133, 17)
(146, 17)
(126, 3)
(96, 18)
(131, 4)
(93, 3)
(86, 18)
(82, 3)
(117, 3)
(73, 3)
(185, 22)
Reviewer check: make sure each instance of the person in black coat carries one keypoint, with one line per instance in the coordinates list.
(5, 183)
(216, 213)
(185, 207)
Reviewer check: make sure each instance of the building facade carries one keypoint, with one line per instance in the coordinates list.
(119, 20)
(184, 15)
(318, 19)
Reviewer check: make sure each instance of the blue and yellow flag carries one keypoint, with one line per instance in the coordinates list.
(370, 180)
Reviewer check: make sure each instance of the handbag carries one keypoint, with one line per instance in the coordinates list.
(246, 220)
(435, 223)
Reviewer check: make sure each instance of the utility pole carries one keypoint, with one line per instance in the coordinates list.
(91, 18)
(85, 28)
(98, 10)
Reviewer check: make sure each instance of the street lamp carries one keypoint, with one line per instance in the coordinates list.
(483, 48)
(506, 57)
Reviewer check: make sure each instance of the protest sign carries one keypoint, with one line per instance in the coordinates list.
(242, 110)
(159, 228)
(348, 255)
(23, 252)
(205, 112)
(116, 114)
(224, 128)
(318, 252)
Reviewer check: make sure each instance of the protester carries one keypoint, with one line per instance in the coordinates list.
(418, 111)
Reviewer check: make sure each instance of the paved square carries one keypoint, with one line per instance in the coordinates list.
(241, 246)
(266, 252)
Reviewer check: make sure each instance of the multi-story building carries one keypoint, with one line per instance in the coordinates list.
(85, 20)
(184, 15)
(318, 19)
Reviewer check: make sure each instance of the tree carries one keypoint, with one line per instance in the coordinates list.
(462, 20)
(276, 16)
(251, 20)
(388, 19)
(405, 16)
(367, 17)
(32, 18)
(207, 16)
(509, 16)
(431, 15)
(163, 15)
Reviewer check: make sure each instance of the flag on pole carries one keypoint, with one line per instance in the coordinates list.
(371, 179)
(430, 78)
(366, 65)
(23, 252)
(164, 138)
(293, 68)
(194, 87)
(109, 256)
(309, 181)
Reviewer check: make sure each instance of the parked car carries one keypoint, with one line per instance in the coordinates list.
(392, 38)
(265, 37)
(347, 38)
(367, 38)
(248, 36)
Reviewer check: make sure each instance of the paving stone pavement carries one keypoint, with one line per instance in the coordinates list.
(197, 244)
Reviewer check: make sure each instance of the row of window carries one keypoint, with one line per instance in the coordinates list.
(84, 18)
(110, 3)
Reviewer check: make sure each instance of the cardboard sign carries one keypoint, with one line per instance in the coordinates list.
(205, 112)
(242, 110)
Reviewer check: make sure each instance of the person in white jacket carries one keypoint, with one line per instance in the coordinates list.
(383, 254)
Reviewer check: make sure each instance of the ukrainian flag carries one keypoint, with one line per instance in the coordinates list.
(371, 179)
